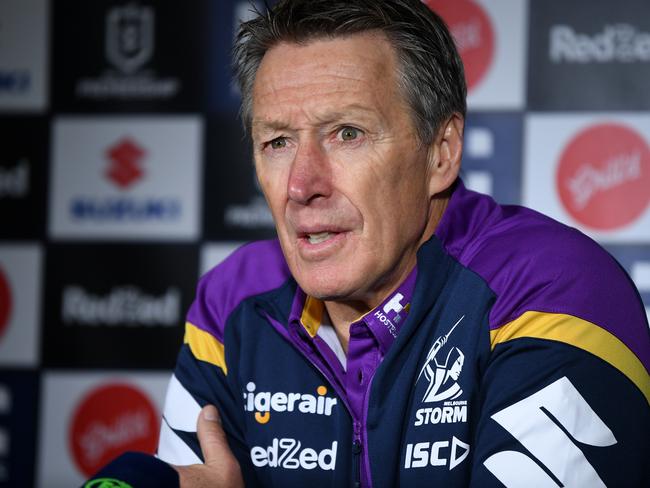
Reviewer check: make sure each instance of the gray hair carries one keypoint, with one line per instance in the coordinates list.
(430, 71)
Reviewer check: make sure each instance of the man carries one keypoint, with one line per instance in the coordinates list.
(402, 330)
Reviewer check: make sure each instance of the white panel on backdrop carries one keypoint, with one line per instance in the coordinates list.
(591, 171)
(641, 275)
(504, 84)
(86, 418)
(126, 178)
(213, 253)
(23, 54)
(492, 38)
(480, 181)
(20, 304)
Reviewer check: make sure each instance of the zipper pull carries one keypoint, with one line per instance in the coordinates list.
(356, 463)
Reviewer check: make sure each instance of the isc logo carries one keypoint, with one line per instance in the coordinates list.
(438, 453)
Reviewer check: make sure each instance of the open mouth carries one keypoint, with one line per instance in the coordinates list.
(318, 237)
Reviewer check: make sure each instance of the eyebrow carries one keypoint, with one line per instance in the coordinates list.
(322, 119)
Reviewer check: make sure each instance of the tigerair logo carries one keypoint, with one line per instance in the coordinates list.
(265, 402)
(442, 377)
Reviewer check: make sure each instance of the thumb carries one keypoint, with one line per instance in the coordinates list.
(212, 438)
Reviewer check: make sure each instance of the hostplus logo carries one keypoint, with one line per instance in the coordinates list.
(441, 377)
(110, 420)
(125, 163)
(129, 46)
(389, 315)
(265, 402)
(603, 176)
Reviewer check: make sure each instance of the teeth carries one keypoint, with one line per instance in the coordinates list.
(318, 238)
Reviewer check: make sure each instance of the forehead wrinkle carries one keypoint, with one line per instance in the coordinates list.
(350, 113)
(286, 96)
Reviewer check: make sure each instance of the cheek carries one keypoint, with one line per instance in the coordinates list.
(273, 188)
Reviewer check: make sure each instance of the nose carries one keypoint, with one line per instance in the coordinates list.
(310, 176)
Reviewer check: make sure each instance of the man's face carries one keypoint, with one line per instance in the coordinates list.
(338, 159)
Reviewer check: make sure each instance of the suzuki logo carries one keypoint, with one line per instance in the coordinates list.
(125, 157)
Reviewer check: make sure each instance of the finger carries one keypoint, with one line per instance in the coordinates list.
(212, 438)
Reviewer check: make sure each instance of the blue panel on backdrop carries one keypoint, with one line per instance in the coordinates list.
(636, 261)
(223, 93)
(18, 410)
(492, 155)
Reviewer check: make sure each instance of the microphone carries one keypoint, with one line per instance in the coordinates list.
(134, 470)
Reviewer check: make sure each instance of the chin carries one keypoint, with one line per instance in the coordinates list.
(324, 288)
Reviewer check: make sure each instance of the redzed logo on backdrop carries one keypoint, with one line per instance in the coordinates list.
(473, 32)
(125, 162)
(5, 303)
(603, 176)
(110, 420)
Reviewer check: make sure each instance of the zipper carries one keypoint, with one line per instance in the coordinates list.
(356, 455)
(364, 455)
(357, 444)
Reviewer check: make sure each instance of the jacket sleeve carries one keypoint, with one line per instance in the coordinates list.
(563, 403)
(202, 377)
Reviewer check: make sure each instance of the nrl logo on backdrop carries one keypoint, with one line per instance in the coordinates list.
(442, 374)
(129, 37)
(129, 44)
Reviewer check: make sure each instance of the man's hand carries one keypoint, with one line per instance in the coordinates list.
(221, 469)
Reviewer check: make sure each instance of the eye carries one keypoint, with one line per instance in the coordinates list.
(278, 143)
(349, 133)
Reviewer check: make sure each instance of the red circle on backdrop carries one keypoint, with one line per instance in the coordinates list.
(5, 303)
(603, 176)
(109, 420)
(473, 32)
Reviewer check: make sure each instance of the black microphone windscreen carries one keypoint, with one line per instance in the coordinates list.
(134, 470)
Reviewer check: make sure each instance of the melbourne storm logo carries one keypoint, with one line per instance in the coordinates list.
(442, 375)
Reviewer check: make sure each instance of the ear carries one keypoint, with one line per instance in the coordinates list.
(445, 154)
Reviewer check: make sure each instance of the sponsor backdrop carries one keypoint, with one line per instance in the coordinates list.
(125, 175)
